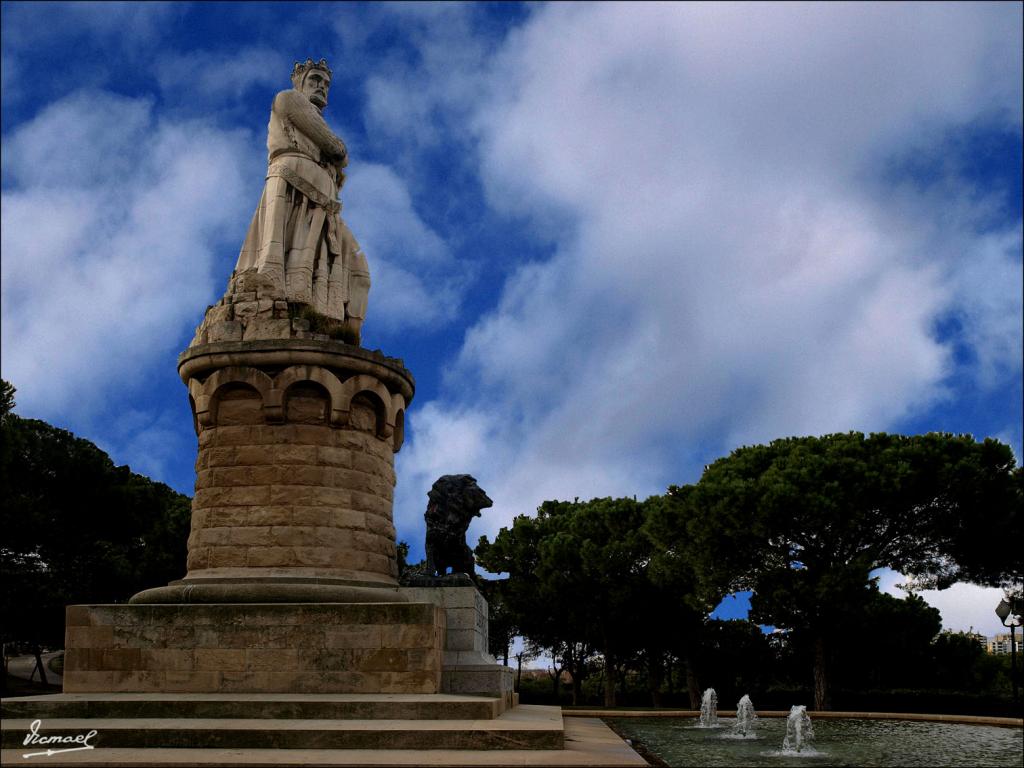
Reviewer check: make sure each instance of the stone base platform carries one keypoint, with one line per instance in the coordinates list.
(254, 729)
(525, 728)
(468, 667)
(281, 706)
(589, 742)
(255, 647)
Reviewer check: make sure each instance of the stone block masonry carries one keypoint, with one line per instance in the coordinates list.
(315, 500)
(466, 621)
(255, 648)
(291, 558)
(294, 474)
(295, 470)
(467, 665)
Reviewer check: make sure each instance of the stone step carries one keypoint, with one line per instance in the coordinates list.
(282, 706)
(588, 742)
(524, 728)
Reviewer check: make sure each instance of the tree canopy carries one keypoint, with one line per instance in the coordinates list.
(579, 581)
(76, 527)
(802, 523)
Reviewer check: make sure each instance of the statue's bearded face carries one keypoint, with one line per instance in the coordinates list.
(315, 86)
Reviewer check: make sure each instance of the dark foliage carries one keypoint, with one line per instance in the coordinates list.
(802, 523)
(77, 528)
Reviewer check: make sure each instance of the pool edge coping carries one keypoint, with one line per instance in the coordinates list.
(1001, 722)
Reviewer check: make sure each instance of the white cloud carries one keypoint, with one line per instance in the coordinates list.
(130, 24)
(991, 304)
(517, 472)
(732, 269)
(111, 224)
(424, 101)
(10, 74)
(411, 266)
(219, 76)
(108, 39)
(444, 443)
(963, 607)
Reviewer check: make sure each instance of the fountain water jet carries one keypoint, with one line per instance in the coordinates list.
(708, 709)
(746, 718)
(799, 732)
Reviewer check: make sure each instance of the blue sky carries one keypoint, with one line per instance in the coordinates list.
(612, 242)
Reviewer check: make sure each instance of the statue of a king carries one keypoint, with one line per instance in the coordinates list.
(297, 237)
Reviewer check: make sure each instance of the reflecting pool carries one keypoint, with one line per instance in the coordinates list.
(855, 743)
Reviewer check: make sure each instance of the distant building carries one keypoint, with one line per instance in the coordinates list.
(1000, 644)
(972, 635)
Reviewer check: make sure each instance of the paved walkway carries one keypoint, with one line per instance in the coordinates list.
(589, 743)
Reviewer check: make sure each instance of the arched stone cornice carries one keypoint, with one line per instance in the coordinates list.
(207, 392)
(300, 373)
(197, 361)
(365, 384)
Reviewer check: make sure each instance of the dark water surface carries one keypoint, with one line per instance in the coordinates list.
(867, 743)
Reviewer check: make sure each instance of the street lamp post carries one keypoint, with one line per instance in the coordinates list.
(1010, 618)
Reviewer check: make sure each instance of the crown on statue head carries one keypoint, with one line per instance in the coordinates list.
(301, 68)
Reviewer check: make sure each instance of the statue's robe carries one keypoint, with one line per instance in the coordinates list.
(297, 237)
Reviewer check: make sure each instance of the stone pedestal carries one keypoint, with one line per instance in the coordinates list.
(255, 648)
(292, 573)
(295, 473)
(291, 582)
(467, 665)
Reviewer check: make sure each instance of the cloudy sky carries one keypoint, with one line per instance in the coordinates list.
(612, 242)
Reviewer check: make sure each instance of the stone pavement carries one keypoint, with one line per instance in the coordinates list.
(302, 729)
(587, 742)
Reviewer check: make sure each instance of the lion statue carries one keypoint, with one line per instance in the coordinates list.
(454, 501)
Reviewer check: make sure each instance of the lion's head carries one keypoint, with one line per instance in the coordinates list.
(458, 497)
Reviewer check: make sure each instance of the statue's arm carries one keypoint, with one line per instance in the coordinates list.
(298, 110)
